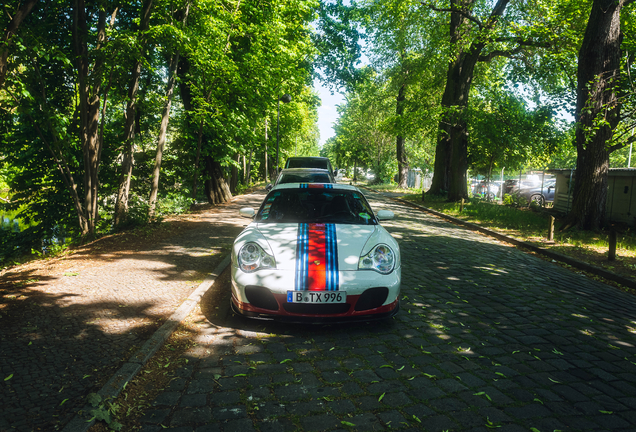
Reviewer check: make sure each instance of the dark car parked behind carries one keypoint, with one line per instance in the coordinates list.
(538, 195)
(309, 162)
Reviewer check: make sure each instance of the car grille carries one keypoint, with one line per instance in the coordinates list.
(317, 309)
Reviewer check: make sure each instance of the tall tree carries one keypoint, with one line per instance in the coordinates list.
(597, 111)
(165, 118)
(121, 206)
(474, 37)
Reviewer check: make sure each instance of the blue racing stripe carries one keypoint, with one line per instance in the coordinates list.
(332, 258)
(301, 257)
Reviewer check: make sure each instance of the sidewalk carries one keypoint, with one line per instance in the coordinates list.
(67, 324)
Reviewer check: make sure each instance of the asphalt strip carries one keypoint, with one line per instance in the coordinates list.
(82, 422)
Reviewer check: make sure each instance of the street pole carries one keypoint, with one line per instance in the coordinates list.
(286, 99)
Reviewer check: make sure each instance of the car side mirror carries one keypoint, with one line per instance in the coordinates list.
(550, 188)
(247, 212)
(385, 215)
(269, 187)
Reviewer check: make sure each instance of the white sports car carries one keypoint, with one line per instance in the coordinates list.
(316, 252)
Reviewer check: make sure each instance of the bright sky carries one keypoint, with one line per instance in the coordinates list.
(327, 112)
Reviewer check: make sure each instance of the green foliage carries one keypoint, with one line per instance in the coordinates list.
(235, 62)
(104, 410)
(505, 133)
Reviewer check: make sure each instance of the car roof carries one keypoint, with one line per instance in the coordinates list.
(329, 186)
(307, 157)
(304, 170)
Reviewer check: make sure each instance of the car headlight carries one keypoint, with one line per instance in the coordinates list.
(381, 259)
(252, 257)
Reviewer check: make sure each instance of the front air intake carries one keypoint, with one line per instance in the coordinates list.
(372, 298)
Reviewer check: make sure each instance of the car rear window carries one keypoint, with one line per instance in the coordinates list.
(318, 204)
(307, 163)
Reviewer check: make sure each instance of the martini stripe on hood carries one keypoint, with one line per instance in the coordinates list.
(316, 257)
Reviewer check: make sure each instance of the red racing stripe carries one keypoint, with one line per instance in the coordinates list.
(317, 257)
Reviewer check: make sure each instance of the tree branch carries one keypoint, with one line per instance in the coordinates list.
(457, 11)
(10, 31)
(510, 52)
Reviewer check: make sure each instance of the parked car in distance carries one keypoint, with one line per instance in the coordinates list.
(510, 186)
(315, 252)
(303, 175)
(538, 195)
(489, 190)
(309, 162)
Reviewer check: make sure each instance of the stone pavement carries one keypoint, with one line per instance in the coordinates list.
(488, 338)
(84, 321)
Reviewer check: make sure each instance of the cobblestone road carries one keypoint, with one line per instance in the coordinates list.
(489, 338)
(85, 320)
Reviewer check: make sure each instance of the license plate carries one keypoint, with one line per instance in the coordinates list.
(316, 297)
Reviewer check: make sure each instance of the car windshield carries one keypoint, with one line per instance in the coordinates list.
(316, 203)
(305, 178)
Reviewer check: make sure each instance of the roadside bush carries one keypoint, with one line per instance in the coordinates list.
(173, 203)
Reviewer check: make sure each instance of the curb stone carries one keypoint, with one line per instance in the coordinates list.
(543, 251)
(82, 421)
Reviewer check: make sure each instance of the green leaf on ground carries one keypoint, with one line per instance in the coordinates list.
(9, 377)
(381, 396)
(482, 394)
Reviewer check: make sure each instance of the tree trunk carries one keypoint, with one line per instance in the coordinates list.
(249, 169)
(266, 155)
(89, 87)
(9, 32)
(234, 177)
(597, 112)
(121, 205)
(403, 166)
(163, 131)
(216, 188)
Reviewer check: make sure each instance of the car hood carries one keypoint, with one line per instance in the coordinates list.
(281, 240)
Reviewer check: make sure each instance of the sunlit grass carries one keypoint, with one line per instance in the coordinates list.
(523, 223)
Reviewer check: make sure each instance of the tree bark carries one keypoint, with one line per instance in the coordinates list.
(11, 30)
(234, 177)
(216, 188)
(121, 205)
(597, 112)
(403, 165)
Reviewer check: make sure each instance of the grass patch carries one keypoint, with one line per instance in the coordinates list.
(530, 224)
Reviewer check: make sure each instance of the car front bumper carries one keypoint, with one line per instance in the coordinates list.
(263, 294)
